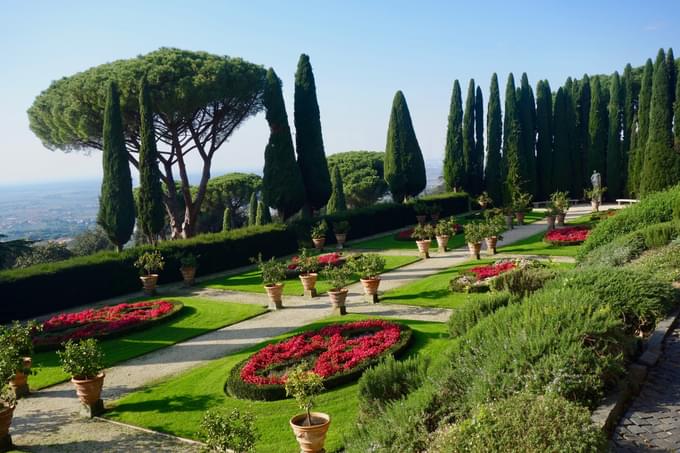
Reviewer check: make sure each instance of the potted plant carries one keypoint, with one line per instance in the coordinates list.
(551, 214)
(84, 361)
(318, 234)
(509, 216)
(435, 211)
(338, 277)
(484, 200)
(273, 274)
(369, 267)
(234, 431)
(595, 195)
(308, 266)
(9, 357)
(310, 428)
(189, 263)
(149, 264)
(421, 210)
(340, 229)
(474, 235)
(444, 229)
(521, 204)
(423, 235)
(20, 337)
(560, 200)
(493, 227)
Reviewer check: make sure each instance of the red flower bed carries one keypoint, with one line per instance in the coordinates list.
(492, 270)
(100, 322)
(567, 236)
(333, 259)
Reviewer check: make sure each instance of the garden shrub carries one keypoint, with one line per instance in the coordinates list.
(464, 318)
(617, 252)
(524, 281)
(526, 423)
(660, 234)
(663, 262)
(223, 432)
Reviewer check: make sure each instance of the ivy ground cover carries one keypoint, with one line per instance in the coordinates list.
(177, 405)
(197, 317)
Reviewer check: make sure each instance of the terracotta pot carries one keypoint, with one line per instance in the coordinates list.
(6, 414)
(188, 274)
(442, 242)
(274, 292)
(421, 219)
(424, 247)
(475, 249)
(341, 238)
(520, 217)
(595, 205)
(560, 219)
(551, 222)
(508, 221)
(89, 390)
(491, 244)
(319, 243)
(370, 286)
(308, 281)
(338, 298)
(149, 282)
(311, 438)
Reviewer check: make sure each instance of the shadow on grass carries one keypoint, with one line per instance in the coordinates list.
(172, 405)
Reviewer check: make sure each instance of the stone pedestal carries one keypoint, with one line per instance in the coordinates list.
(424, 255)
(371, 298)
(93, 410)
(339, 311)
(6, 443)
(310, 293)
(278, 305)
(21, 390)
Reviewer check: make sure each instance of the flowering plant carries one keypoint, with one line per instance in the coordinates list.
(478, 279)
(368, 265)
(446, 227)
(560, 201)
(82, 360)
(306, 263)
(150, 262)
(423, 232)
(318, 231)
(567, 236)
(333, 259)
(273, 271)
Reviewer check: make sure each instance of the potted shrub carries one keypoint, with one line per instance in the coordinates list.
(493, 227)
(318, 234)
(509, 216)
(188, 263)
(474, 235)
(9, 357)
(421, 210)
(444, 229)
(310, 428)
(521, 204)
(338, 277)
(435, 211)
(560, 200)
(484, 200)
(235, 431)
(19, 337)
(273, 275)
(551, 214)
(423, 235)
(369, 267)
(595, 196)
(84, 361)
(308, 266)
(149, 264)
(340, 229)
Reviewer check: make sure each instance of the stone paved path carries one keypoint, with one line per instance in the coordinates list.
(47, 420)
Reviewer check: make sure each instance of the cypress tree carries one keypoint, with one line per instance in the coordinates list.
(337, 201)
(226, 220)
(677, 115)
(282, 185)
(615, 168)
(493, 179)
(478, 161)
(635, 173)
(597, 131)
(527, 119)
(633, 182)
(628, 113)
(308, 138)
(582, 121)
(252, 210)
(263, 216)
(511, 144)
(469, 138)
(572, 93)
(672, 69)
(454, 159)
(544, 157)
(116, 203)
(661, 167)
(404, 164)
(561, 179)
(150, 211)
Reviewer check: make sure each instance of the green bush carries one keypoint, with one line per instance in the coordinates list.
(617, 252)
(660, 234)
(235, 431)
(82, 360)
(663, 262)
(474, 310)
(523, 281)
(390, 380)
(526, 423)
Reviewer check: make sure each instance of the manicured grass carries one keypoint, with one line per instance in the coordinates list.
(177, 405)
(252, 281)
(197, 317)
(534, 245)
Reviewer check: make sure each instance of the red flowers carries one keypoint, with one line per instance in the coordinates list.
(100, 322)
(567, 236)
(324, 260)
(492, 270)
(333, 349)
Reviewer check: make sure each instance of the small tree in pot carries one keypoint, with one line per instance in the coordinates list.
(9, 358)
(369, 267)
(423, 235)
(340, 229)
(421, 210)
(84, 361)
(594, 195)
(560, 200)
(492, 228)
(338, 277)
(310, 428)
(234, 432)
(273, 274)
(521, 204)
(149, 264)
(20, 337)
(444, 229)
(308, 266)
(318, 234)
(189, 264)
(551, 214)
(474, 235)
(484, 200)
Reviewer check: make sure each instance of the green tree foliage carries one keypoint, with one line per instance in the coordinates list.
(308, 138)
(454, 157)
(90, 241)
(363, 176)
(616, 177)
(511, 143)
(493, 171)
(150, 211)
(633, 182)
(638, 153)
(231, 190)
(597, 131)
(544, 152)
(672, 69)
(582, 122)
(263, 215)
(526, 109)
(282, 186)
(676, 111)
(193, 91)
(404, 164)
(337, 201)
(252, 209)
(572, 93)
(477, 175)
(116, 204)
(226, 220)
(629, 99)
(49, 252)
(469, 137)
(562, 178)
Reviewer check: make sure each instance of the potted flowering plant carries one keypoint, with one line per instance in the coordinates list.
(149, 264)
(493, 227)
(595, 196)
(521, 204)
(484, 200)
(369, 266)
(189, 263)
(9, 358)
(423, 235)
(475, 232)
(560, 200)
(310, 428)
(273, 274)
(308, 266)
(421, 210)
(509, 216)
(444, 229)
(338, 277)
(84, 361)
(318, 234)
(340, 229)
(19, 337)
(551, 214)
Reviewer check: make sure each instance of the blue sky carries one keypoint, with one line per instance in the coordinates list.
(361, 52)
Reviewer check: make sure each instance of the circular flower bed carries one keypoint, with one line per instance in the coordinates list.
(478, 279)
(567, 236)
(103, 322)
(339, 353)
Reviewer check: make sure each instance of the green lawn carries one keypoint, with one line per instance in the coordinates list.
(252, 281)
(176, 405)
(197, 317)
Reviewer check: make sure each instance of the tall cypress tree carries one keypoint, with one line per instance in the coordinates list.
(676, 127)
(661, 167)
(562, 178)
(572, 94)
(469, 137)
(226, 219)
(478, 167)
(454, 159)
(672, 69)
(615, 168)
(252, 210)
(116, 203)
(511, 144)
(638, 158)
(282, 185)
(493, 179)
(150, 211)
(308, 138)
(582, 120)
(597, 131)
(337, 201)
(628, 87)
(263, 215)
(527, 118)
(544, 157)
(404, 163)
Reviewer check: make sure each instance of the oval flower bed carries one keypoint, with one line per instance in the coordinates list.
(339, 353)
(103, 322)
(567, 236)
(477, 279)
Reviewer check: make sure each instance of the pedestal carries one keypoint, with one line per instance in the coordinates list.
(6, 443)
(278, 305)
(424, 254)
(21, 391)
(310, 293)
(92, 411)
(371, 298)
(341, 311)
(442, 249)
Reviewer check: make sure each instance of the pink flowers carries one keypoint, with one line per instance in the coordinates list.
(99, 322)
(567, 236)
(331, 350)
(492, 270)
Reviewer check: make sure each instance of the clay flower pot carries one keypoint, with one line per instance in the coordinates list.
(311, 438)
(274, 292)
(551, 222)
(319, 243)
(188, 274)
(309, 281)
(19, 383)
(149, 282)
(89, 391)
(442, 242)
(560, 219)
(424, 247)
(520, 217)
(6, 414)
(421, 219)
(370, 286)
(338, 297)
(341, 238)
(475, 249)
(491, 244)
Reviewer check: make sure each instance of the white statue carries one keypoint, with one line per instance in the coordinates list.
(596, 181)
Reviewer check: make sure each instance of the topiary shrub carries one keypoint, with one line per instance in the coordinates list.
(524, 281)
(523, 422)
(466, 317)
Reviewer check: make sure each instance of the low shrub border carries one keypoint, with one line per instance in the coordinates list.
(238, 388)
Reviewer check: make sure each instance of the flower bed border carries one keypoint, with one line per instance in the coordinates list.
(237, 388)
